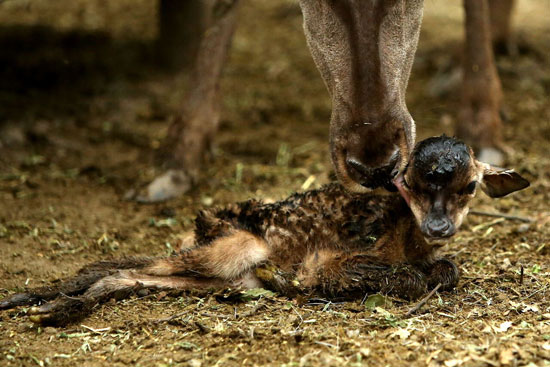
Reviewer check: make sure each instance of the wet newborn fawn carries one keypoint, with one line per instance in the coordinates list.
(327, 241)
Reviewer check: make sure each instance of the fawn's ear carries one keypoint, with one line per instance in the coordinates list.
(498, 182)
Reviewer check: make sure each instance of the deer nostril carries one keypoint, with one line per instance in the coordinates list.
(440, 228)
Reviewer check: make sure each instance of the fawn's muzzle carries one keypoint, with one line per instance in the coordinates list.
(438, 226)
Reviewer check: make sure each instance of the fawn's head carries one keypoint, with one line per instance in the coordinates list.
(440, 180)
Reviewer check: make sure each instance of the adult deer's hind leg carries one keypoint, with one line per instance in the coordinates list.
(479, 115)
(505, 41)
(190, 137)
(500, 13)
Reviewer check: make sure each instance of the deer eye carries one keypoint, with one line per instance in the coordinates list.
(470, 189)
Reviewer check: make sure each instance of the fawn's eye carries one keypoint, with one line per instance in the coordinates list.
(470, 189)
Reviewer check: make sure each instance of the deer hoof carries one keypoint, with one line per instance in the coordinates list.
(59, 312)
(492, 156)
(37, 314)
(169, 185)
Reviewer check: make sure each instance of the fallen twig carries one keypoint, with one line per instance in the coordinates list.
(170, 318)
(423, 301)
(217, 315)
(326, 344)
(487, 224)
(252, 311)
(97, 331)
(521, 275)
(502, 215)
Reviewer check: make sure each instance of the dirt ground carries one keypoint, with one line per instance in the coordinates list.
(83, 110)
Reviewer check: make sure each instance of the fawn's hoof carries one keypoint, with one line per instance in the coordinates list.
(39, 314)
(278, 280)
(443, 271)
(60, 312)
(169, 185)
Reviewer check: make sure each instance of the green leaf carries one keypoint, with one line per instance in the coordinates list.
(377, 300)
(187, 345)
(255, 293)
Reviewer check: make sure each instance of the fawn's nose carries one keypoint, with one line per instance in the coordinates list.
(439, 227)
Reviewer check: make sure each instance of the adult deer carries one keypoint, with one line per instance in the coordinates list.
(364, 50)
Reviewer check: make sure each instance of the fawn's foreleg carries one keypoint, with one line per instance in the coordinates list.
(278, 280)
(338, 273)
(442, 271)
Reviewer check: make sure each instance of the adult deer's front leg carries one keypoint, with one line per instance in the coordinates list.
(191, 135)
(479, 116)
(364, 51)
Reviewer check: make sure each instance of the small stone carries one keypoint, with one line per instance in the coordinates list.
(352, 333)
(207, 201)
(522, 228)
(25, 327)
(50, 330)
(143, 292)
(506, 263)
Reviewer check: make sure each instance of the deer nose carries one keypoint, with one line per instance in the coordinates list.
(439, 227)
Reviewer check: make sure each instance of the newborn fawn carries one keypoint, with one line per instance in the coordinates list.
(327, 241)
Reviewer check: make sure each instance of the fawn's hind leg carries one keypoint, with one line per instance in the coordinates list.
(227, 258)
(65, 310)
(75, 285)
(227, 261)
(123, 283)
